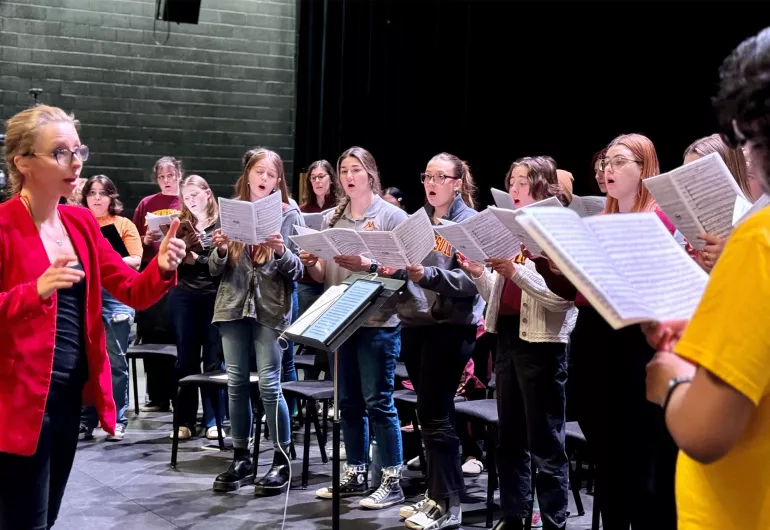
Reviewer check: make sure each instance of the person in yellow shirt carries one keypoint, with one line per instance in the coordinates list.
(712, 374)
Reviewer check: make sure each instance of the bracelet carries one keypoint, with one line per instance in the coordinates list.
(672, 385)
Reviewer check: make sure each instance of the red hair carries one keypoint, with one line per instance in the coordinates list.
(644, 151)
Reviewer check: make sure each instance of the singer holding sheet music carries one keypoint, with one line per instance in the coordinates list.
(101, 197)
(252, 308)
(634, 455)
(367, 361)
(533, 326)
(440, 312)
(54, 262)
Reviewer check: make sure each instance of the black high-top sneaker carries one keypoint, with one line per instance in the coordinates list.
(239, 474)
(352, 482)
(276, 480)
(389, 492)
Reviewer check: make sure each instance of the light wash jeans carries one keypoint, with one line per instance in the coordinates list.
(118, 319)
(241, 340)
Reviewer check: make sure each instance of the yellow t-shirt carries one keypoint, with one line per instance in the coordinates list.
(730, 336)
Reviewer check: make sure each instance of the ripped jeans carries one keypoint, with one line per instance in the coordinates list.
(118, 319)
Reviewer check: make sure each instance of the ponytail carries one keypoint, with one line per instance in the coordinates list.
(463, 171)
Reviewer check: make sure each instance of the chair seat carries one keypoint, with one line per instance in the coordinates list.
(410, 396)
(574, 432)
(401, 371)
(480, 409)
(141, 351)
(217, 378)
(309, 389)
(304, 361)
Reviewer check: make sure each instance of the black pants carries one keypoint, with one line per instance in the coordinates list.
(531, 402)
(31, 487)
(435, 357)
(634, 454)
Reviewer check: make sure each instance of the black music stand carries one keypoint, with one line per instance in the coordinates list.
(391, 287)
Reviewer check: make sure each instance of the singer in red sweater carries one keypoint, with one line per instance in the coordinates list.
(54, 262)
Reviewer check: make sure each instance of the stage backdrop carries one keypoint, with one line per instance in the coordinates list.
(494, 81)
(212, 91)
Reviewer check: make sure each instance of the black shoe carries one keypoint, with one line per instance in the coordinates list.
(276, 480)
(509, 523)
(239, 474)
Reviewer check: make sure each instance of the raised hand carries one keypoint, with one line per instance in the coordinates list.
(172, 249)
(58, 276)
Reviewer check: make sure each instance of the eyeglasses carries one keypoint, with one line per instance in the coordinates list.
(318, 178)
(63, 156)
(616, 163)
(438, 179)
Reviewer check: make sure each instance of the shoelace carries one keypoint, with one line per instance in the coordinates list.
(384, 489)
(350, 473)
(418, 506)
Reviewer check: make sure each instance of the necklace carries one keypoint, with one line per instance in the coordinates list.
(28, 206)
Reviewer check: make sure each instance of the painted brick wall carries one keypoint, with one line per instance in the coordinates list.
(212, 91)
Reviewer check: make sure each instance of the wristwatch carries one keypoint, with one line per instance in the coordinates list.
(373, 268)
(672, 384)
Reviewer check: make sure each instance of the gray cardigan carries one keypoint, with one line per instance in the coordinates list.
(262, 292)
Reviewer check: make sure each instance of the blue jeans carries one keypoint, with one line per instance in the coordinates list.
(367, 364)
(196, 339)
(241, 339)
(288, 372)
(118, 319)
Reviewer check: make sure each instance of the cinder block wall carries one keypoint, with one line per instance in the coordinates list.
(212, 91)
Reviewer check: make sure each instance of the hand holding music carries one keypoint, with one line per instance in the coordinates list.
(58, 276)
(308, 259)
(275, 242)
(151, 236)
(503, 267)
(354, 263)
(663, 367)
(663, 336)
(713, 248)
(475, 270)
(220, 241)
(415, 272)
(192, 239)
(172, 249)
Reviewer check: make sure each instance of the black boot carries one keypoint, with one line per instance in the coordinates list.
(239, 474)
(276, 480)
(509, 523)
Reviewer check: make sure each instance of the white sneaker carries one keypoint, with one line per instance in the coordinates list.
(410, 509)
(433, 517)
(120, 433)
(472, 467)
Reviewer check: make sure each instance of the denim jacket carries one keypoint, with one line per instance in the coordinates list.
(262, 292)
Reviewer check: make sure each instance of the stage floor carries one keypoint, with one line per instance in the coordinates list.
(130, 485)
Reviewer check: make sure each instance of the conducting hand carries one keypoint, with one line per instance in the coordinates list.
(58, 276)
(172, 249)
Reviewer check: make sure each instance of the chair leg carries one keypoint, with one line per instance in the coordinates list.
(321, 437)
(175, 433)
(574, 484)
(306, 455)
(136, 386)
(220, 434)
(325, 419)
(492, 475)
(418, 434)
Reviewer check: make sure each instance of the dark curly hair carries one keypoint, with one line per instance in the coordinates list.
(115, 207)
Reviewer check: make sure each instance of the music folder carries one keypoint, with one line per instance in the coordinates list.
(110, 232)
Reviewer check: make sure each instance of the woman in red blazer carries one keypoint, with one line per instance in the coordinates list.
(54, 262)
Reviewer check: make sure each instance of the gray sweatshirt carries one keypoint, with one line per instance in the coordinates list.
(262, 292)
(445, 294)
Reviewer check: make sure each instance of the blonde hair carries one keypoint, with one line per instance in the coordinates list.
(212, 208)
(370, 166)
(243, 193)
(20, 135)
(644, 150)
(463, 171)
(734, 159)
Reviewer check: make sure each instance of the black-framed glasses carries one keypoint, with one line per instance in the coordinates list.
(616, 163)
(63, 155)
(438, 179)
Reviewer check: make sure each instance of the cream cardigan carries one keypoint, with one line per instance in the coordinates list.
(545, 317)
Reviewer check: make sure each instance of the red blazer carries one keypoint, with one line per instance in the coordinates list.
(28, 324)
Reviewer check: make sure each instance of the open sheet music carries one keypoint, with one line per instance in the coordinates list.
(502, 199)
(493, 233)
(697, 197)
(587, 206)
(744, 209)
(154, 221)
(314, 220)
(627, 265)
(409, 243)
(251, 222)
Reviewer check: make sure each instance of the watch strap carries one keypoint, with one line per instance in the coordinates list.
(672, 385)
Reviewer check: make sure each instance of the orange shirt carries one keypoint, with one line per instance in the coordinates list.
(127, 230)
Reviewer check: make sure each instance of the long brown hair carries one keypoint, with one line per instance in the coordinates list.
(212, 208)
(309, 197)
(541, 173)
(20, 135)
(370, 166)
(461, 169)
(115, 207)
(733, 158)
(644, 150)
(243, 193)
